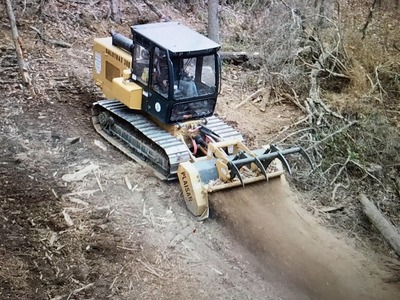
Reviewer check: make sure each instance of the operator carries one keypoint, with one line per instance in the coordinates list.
(187, 86)
(160, 75)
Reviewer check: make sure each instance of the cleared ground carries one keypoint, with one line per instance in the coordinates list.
(119, 232)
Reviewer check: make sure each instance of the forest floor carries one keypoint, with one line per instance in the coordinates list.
(118, 232)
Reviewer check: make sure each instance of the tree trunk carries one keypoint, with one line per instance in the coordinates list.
(115, 11)
(21, 64)
(388, 231)
(213, 20)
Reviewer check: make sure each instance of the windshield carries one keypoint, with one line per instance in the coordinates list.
(194, 77)
(192, 110)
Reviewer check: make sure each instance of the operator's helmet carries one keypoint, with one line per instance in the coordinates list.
(159, 53)
(145, 54)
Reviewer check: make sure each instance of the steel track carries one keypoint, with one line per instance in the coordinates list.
(145, 142)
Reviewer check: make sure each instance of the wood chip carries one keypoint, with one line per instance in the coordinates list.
(78, 201)
(330, 209)
(128, 183)
(77, 176)
(53, 238)
(81, 193)
(218, 272)
(83, 288)
(67, 218)
(100, 144)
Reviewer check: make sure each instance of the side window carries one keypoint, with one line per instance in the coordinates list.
(160, 72)
(140, 64)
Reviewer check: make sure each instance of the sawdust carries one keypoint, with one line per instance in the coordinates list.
(291, 247)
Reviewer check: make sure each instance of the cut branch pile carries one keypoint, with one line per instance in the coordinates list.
(304, 60)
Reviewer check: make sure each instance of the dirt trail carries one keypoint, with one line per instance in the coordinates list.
(289, 246)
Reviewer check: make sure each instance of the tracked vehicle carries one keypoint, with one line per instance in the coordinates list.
(161, 89)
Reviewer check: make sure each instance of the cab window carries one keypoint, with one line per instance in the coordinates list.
(140, 66)
(194, 76)
(160, 81)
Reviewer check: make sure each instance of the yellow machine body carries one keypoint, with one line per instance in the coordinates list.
(110, 62)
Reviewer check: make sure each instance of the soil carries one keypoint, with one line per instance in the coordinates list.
(118, 232)
(289, 245)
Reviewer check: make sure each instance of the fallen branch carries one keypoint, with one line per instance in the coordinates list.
(51, 41)
(321, 68)
(150, 269)
(331, 209)
(339, 185)
(295, 132)
(251, 97)
(295, 100)
(156, 11)
(286, 128)
(388, 231)
(341, 170)
(76, 291)
(327, 109)
(83, 288)
(378, 83)
(331, 135)
(368, 173)
(21, 64)
(128, 249)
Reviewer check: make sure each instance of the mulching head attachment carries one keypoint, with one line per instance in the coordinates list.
(263, 161)
(229, 164)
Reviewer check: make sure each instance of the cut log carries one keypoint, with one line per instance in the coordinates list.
(239, 57)
(20, 58)
(251, 97)
(388, 231)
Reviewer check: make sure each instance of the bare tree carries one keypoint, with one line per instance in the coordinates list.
(16, 39)
(213, 20)
(115, 11)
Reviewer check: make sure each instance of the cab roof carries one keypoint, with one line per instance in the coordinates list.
(173, 36)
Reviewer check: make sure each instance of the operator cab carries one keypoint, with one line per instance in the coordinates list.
(178, 70)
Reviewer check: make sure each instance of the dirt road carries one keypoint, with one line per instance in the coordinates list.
(289, 246)
(141, 242)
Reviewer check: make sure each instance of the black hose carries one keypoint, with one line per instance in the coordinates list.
(122, 41)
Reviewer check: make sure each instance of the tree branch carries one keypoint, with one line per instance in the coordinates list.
(369, 19)
(156, 11)
(331, 135)
(55, 42)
